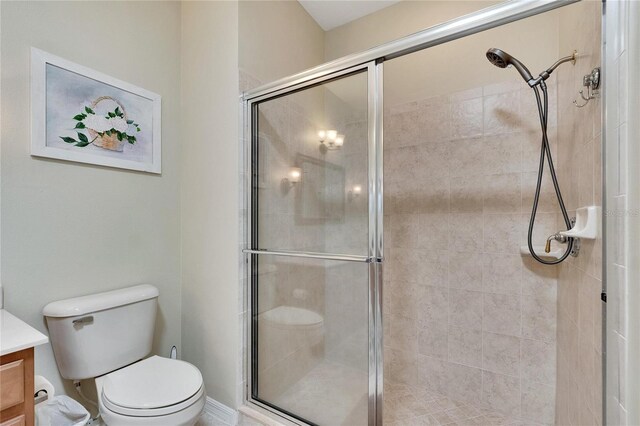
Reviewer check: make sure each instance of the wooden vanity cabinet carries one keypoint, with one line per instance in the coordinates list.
(16, 388)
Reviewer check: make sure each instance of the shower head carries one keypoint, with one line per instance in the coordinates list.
(497, 57)
(502, 59)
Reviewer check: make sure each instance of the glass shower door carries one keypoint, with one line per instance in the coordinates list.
(311, 295)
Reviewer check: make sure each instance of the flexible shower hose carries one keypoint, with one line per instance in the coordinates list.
(543, 110)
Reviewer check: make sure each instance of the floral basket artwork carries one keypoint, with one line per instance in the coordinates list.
(107, 124)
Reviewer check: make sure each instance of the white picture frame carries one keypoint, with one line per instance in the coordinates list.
(59, 87)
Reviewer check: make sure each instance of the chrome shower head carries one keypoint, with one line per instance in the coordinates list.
(502, 59)
(497, 57)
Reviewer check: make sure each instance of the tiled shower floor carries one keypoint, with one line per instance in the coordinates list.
(331, 385)
(340, 388)
(406, 405)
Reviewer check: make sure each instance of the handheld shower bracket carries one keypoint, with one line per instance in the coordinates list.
(575, 249)
(562, 239)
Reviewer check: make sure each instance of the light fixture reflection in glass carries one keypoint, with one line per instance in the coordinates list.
(295, 174)
(354, 192)
(331, 139)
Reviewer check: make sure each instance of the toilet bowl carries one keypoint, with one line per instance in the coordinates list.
(154, 391)
(107, 336)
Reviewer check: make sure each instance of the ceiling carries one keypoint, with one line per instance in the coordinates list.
(330, 14)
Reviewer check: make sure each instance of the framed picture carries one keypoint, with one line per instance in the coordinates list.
(82, 115)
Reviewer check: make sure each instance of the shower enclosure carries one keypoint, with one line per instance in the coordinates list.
(327, 234)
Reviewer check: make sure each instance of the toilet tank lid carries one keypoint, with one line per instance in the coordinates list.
(99, 302)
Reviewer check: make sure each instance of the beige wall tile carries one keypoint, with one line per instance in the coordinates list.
(434, 304)
(434, 267)
(434, 122)
(400, 129)
(466, 157)
(501, 354)
(465, 232)
(433, 338)
(401, 366)
(501, 392)
(502, 233)
(403, 334)
(503, 153)
(404, 231)
(539, 317)
(466, 118)
(502, 113)
(538, 402)
(404, 298)
(502, 314)
(502, 273)
(502, 193)
(537, 277)
(464, 383)
(538, 362)
(467, 194)
(465, 270)
(465, 309)
(465, 346)
(423, 266)
(432, 374)
(433, 231)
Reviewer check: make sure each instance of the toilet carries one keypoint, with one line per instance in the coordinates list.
(106, 337)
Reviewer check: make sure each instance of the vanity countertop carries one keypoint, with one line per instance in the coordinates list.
(16, 334)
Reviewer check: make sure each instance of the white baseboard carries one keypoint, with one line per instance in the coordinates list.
(220, 412)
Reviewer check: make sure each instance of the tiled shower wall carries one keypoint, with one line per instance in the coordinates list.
(465, 314)
(579, 396)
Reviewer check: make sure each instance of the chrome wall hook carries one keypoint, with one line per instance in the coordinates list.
(592, 83)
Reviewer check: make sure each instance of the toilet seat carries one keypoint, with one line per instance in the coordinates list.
(155, 386)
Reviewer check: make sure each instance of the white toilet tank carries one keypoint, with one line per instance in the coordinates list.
(96, 334)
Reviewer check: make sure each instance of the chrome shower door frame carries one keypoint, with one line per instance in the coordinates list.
(374, 255)
(371, 60)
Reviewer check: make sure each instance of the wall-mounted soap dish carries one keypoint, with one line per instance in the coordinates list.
(587, 223)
